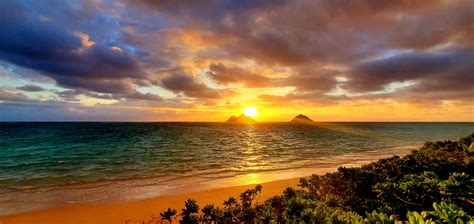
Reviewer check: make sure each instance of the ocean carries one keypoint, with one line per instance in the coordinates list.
(48, 164)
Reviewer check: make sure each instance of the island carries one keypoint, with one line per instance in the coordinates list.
(302, 119)
(240, 119)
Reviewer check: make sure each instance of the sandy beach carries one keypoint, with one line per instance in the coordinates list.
(138, 211)
(144, 210)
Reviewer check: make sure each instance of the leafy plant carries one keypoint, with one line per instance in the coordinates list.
(168, 215)
(380, 218)
(433, 184)
(449, 213)
(189, 213)
(442, 213)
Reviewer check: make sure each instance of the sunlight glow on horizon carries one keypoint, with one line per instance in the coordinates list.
(250, 111)
(196, 68)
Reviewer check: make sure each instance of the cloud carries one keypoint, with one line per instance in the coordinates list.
(320, 51)
(307, 98)
(435, 71)
(303, 78)
(308, 79)
(60, 52)
(31, 88)
(71, 95)
(300, 32)
(226, 75)
(180, 82)
(12, 97)
(313, 34)
(61, 111)
(142, 97)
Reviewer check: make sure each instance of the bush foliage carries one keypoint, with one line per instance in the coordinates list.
(433, 184)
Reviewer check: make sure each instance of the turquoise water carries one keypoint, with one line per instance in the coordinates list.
(36, 156)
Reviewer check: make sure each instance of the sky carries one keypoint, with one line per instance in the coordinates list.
(191, 60)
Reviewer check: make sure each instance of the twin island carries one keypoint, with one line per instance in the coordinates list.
(300, 119)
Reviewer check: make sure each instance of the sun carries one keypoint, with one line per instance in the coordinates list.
(250, 111)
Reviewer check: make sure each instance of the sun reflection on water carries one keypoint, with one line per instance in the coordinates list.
(252, 178)
(252, 160)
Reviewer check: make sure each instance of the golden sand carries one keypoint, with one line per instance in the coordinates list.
(139, 211)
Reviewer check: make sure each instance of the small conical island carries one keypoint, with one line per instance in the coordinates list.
(302, 119)
(240, 119)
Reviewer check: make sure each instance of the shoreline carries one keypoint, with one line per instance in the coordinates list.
(143, 209)
(112, 192)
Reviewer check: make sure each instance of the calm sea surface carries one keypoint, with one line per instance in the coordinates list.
(43, 163)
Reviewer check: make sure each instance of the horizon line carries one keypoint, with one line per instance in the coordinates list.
(181, 121)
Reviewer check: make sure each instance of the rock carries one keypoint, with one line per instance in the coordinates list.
(233, 119)
(302, 119)
(240, 119)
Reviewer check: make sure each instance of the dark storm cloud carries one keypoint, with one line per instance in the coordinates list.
(179, 82)
(31, 88)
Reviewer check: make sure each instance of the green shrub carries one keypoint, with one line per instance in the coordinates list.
(380, 218)
(433, 184)
(442, 213)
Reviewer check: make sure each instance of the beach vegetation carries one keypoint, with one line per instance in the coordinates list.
(433, 184)
(168, 215)
(189, 213)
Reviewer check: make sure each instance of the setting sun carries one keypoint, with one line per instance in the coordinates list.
(309, 101)
(250, 111)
